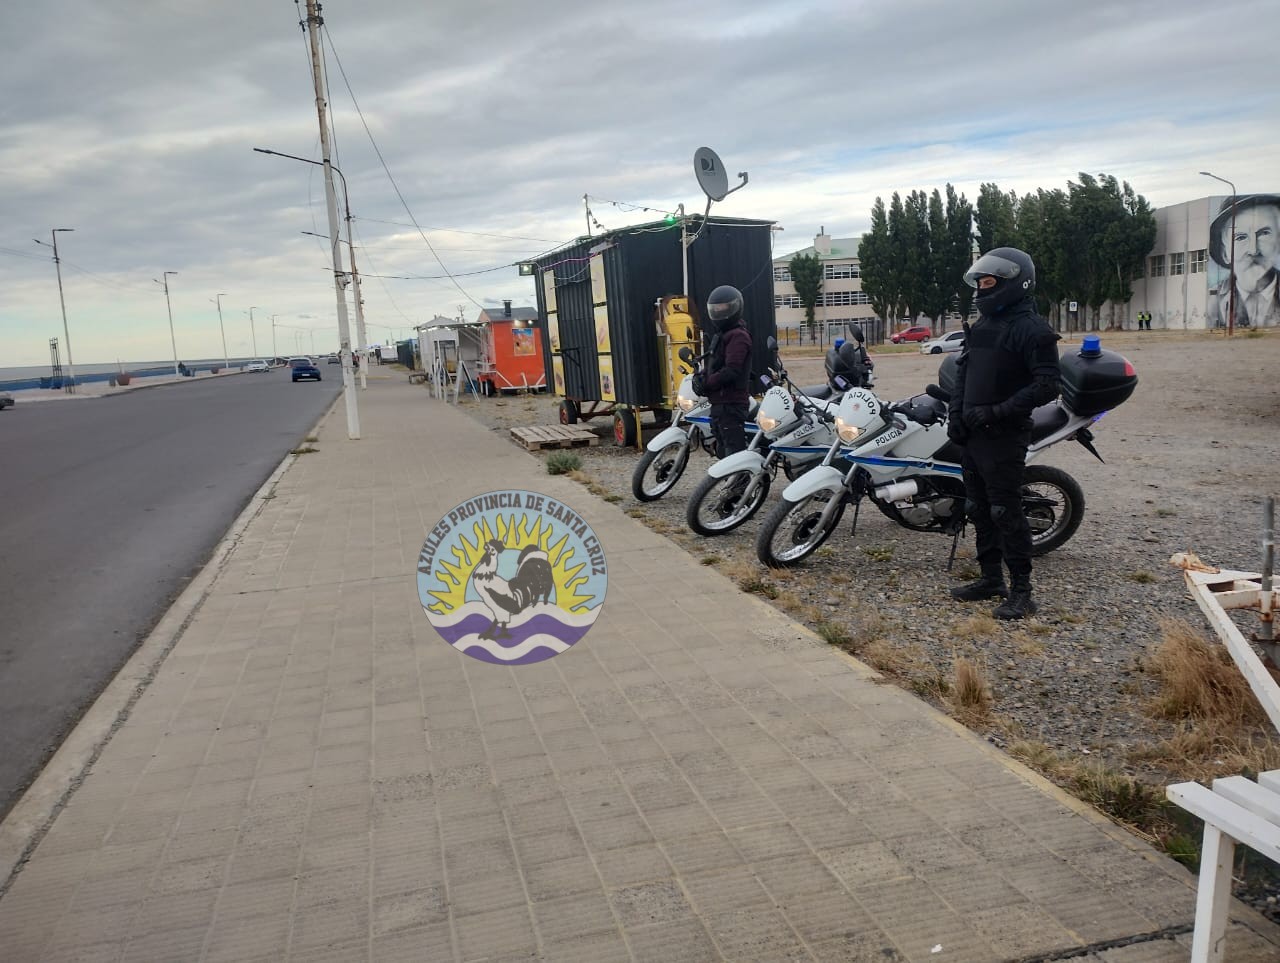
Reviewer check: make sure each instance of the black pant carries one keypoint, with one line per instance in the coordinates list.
(728, 427)
(994, 466)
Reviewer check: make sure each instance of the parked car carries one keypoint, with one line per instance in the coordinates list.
(919, 332)
(948, 342)
(6, 400)
(334, 359)
(303, 368)
(257, 366)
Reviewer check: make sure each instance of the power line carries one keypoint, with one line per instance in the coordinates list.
(34, 257)
(454, 230)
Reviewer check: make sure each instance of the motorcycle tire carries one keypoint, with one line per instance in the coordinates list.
(713, 510)
(791, 532)
(657, 472)
(1054, 505)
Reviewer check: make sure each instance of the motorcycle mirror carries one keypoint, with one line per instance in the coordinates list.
(686, 355)
(772, 343)
(856, 331)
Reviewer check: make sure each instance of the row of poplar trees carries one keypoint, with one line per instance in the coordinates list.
(1088, 242)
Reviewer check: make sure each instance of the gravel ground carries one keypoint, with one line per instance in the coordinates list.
(1188, 460)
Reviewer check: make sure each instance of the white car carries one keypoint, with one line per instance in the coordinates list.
(257, 366)
(948, 342)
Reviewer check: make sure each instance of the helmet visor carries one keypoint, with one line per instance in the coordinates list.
(992, 265)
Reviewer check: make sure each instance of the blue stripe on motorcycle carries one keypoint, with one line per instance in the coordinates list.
(944, 467)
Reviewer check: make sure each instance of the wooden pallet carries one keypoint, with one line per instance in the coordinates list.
(536, 437)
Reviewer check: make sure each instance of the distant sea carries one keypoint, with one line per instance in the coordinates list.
(21, 376)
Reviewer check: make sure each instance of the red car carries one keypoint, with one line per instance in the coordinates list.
(920, 332)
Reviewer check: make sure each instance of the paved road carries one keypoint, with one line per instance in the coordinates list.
(107, 508)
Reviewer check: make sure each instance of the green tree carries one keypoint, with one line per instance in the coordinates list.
(997, 219)
(897, 251)
(875, 258)
(957, 254)
(1044, 224)
(938, 292)
(806, 273)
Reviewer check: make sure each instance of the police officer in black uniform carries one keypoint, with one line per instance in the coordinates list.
(725, 380)
(1008, 367)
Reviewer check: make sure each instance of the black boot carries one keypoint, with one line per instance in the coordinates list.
(1019, 605)
(990, 586)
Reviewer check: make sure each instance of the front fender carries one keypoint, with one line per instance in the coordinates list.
(749, 460)
(668, 436)
(813, 481)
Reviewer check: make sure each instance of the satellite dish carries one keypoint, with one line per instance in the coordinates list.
(710, 173)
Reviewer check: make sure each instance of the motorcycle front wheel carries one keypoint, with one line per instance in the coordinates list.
(1054, 505)
(658, 471)
(717, 505)
(794, 530)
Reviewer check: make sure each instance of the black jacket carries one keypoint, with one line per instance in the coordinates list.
(730, 367)
(1009, 362)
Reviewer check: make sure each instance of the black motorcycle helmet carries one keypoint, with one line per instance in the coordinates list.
(1015, 275)
(724, 307)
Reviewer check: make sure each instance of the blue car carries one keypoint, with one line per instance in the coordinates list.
(303, 368)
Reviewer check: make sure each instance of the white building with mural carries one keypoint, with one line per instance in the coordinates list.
(842, 299)
(1186, 282)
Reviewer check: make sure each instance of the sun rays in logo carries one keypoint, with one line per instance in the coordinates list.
(567, 572)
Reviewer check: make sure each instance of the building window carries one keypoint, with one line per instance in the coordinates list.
(1198, 261)
(1157, 266)
(781, 274)
(839, 272)
(833, 299)
(786, 301)
(1177, 264)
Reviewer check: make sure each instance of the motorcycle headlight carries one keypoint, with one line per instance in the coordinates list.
(766, 423)
(685, 403)
(846, 432)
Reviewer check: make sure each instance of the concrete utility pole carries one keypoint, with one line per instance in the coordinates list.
(274, 352)
(253, 330)
(314, 22)
(1231, 275)
(57, 265)
(172, 340)
(217, 299)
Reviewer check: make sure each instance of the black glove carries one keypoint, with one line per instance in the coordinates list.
(957, 431)
(699, 385)
(977, 416)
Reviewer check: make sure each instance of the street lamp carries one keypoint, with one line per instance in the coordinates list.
(57, 264)
(361, 341)
(1231, 276)
(253, 331)
(274, 352)
(217, 299)
(169, 306)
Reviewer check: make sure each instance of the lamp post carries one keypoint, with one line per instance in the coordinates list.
(273, 335)
(361, 341)
(172, 340)
(1231, 274)
(217, 299)
(57, 265)
(253, 330)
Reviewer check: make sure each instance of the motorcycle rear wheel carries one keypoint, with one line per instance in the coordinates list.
(658, 471)
(1054, 505)
(713, 507)
(793, 530)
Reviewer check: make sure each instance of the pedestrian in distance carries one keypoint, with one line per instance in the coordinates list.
(1007, 368)
(724, 382)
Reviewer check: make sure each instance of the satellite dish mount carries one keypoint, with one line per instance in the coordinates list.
(714, 181)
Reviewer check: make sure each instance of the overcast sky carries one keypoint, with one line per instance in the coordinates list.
(133, 122)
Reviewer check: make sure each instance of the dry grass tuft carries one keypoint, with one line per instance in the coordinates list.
(981, 625)
(1198, 680)
(970, 694)
(1141, 577)
(1203, 751)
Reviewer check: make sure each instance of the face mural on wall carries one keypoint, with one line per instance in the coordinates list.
(1255, 269)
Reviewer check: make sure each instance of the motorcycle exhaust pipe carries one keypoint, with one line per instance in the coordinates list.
(897, 492)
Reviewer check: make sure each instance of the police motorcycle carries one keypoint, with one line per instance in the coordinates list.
(795, 430)
(667, 454)
(899, 458)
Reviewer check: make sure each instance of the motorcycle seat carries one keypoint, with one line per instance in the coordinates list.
(1047, 419)
(817, 392)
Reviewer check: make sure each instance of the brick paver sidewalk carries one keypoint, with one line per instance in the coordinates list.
(314, 775)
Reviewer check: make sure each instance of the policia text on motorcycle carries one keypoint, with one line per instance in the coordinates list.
(725, 382)
(1009, 366)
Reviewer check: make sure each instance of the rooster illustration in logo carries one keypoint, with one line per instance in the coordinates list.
(533, 582)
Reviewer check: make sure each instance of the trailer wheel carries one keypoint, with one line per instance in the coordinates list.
(624, 428)
(568, 412)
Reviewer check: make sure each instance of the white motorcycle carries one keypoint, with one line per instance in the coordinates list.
(795, 432)
(900, 458)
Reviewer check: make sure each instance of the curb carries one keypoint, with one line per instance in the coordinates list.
(34, 814)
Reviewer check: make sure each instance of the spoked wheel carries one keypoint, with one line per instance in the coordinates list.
(718, 505)
(794, 530)
(1054, 506)
(658, 471)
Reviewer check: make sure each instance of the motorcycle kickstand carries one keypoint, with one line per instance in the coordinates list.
(955, 543)
(857, 507)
